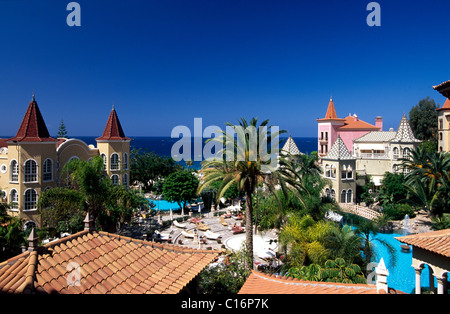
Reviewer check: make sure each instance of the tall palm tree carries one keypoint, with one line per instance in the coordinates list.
(245, 161)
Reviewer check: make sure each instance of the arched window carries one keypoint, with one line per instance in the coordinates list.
(125, 179)
(115, 179)
(327, 192)
(343, 196)
(30, 199)
(349, 172)
(344, 172)
(396, 152)
(30, 171)
(14, 171)
(114, 161)
(48, 170)
(29, 225)
(327, 171)
(333, 194)
(13, 199)
(333, 171)
(349, 196)
(125, 161)
(406, 153)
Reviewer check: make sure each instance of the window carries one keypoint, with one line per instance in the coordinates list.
(30, 171)
(14, 199)
(440, 136)
(333, 171)
(333, 194)
(349, 172)
(395, 152)
(344, 173)
(327, 171)
(105, 162)
(406, 153)
(29, 225)
(343, 196)
(14, 171)
(30, 199)
(114, 162)
(125, 179)
(349, 196)
(125, 161)
(115, 179)
(48, 170)
(327, 192)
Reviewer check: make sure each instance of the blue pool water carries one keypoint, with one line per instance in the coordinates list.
(402, 275)
(164, 205)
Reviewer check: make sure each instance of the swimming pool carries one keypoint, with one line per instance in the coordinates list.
(164, 205)
(402, 275)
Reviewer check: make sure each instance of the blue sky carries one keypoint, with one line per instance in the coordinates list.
(164, 63)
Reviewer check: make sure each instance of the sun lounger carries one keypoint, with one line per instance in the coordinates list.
(179, 225)
(211, 235)
(238, 230)
(162, 236)
(202, 227)
(222, 221)
(188, 234)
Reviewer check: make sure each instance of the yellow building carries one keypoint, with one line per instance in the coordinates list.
(31, 161)
(444, 118)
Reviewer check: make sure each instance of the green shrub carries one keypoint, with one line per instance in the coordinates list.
(399, 211)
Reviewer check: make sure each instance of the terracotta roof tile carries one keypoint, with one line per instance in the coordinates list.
(434, 241)
(108, 264)
(259, 283)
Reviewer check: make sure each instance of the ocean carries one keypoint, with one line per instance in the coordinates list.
(163, 145)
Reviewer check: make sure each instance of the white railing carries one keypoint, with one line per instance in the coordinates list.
(360, 211)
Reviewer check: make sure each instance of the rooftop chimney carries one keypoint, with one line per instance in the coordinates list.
(379, 123)
(33, 241)
(382, 273)
(89, 223)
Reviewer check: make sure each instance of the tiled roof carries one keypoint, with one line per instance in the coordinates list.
(259, 283)
(291, 147)
(108, 263)
(353, 123)
(446, 105)
(443, 88)
(377, 136)
(32, 128)
(113, 130)
(339, 151)
(331, 113)
(434, 241)
(405, 133)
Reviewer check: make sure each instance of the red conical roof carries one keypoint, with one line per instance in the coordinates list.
(113, 130)
(446, 105)
(33, 128)
(331, 112)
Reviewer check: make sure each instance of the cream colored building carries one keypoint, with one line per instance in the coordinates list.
(444, 118)
(31, 161)
(379, 152)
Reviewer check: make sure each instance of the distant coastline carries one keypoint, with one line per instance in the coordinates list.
(162, 145)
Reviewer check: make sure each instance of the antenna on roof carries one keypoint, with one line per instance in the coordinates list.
(32, 98)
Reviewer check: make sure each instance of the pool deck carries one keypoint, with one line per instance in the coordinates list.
(137, 230)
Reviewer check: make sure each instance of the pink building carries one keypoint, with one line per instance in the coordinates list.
(349, 129)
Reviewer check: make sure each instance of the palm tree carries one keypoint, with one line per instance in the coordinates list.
(428, 178)
(345, 243)
(245, 163)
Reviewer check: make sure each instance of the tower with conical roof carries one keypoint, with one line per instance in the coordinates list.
(328, 129)
(31, 164)
(114, 147)
(339, 167)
